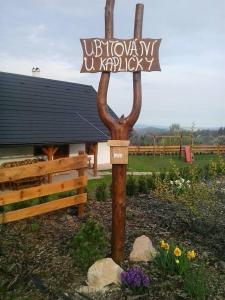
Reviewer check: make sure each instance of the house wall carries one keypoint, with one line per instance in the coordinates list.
(103, 155)
(15, 153)
(74, 148)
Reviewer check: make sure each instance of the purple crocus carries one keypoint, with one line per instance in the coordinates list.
(134, 278)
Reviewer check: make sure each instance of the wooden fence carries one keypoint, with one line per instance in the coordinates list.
(196, 149)
(79, 183)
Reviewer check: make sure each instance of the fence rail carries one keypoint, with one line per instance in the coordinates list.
(196, 149)
(78, 184)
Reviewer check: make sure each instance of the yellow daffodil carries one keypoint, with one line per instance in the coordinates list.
(164, 245)
(191, 254)
(177, 252)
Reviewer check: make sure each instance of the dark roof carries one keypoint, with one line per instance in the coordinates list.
(36, 110)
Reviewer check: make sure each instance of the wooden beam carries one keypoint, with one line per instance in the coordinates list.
(42, 208)
(81, 190)
(50, 151)
(43, 168)
(95, 166)
(42, 190)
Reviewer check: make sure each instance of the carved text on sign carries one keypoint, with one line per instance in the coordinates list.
(115, 55)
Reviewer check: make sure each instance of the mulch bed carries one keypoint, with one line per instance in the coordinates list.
(35, 260)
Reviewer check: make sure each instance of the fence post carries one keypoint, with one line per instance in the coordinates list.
(218, 149)
(81, 190)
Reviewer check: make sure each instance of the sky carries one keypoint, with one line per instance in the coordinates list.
(191, 85)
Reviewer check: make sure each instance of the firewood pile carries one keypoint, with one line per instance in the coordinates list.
(22, 183)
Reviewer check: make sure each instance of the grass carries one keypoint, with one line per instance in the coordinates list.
(93, 182)
(149, 163)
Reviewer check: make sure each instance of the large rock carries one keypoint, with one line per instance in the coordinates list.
(143, 249)
(103, 272)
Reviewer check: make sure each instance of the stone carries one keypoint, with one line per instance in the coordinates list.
(143, 249)
(222, 264)
(90, 290)
(70, 220)
(102, 273)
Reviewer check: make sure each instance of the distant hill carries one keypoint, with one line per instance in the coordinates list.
(150, 130)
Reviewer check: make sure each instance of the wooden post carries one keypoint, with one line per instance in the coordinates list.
(81, 172)
(95, 152)
(181, 137)
(154, 145)
(119, 131)
(50, 151)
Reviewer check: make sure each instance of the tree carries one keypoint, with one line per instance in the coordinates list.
(175, 128)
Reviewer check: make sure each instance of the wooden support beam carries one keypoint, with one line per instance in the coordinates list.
(50, 151)
(95, 166)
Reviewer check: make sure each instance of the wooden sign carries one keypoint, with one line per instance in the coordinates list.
(118, 152)
(116, 55)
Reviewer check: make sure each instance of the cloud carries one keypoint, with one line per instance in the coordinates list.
(37, 34)
(53, 68)
(46, 34)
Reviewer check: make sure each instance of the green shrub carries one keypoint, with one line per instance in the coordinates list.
(131, 186)
(110, 189)
(173, 170)
(142, 185)
(220, 165)
(151, 182)
(34, 226)
(199, 198)
(163, 175)
(185, 172)
(101, 192)
(89, 245)
(195, 284)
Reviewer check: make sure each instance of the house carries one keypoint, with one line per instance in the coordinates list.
(40, 116)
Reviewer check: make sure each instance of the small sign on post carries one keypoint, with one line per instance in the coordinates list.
(118, 152)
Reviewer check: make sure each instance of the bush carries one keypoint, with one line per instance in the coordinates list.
(131, 186)
(201, 199)
(151, 182)
(89, 245)
(162, 175)
(174, 171)
(101, 192)
(142, 185)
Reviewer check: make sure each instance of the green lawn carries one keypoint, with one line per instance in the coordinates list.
(92, 183)
(149, 163)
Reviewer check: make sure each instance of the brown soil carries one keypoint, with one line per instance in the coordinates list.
(35, 260)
